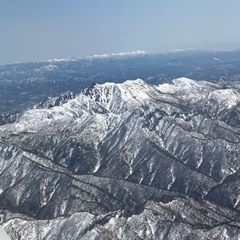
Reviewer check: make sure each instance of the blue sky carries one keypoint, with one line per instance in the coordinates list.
(41, 29)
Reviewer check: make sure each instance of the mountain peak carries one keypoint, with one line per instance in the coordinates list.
(118, 97)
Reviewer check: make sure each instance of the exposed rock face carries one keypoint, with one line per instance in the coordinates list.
(125, 161)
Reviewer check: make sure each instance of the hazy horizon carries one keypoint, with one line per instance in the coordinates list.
(37, 31)
(103, 55)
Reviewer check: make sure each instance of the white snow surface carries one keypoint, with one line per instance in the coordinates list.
(226, 98)
(188, 89)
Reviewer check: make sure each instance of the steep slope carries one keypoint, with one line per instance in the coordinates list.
(130, 160)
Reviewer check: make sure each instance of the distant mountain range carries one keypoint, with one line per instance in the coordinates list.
(130, 160)
(26, 84)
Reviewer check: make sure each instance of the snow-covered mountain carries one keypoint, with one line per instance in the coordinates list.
(125, 161)
(26, 84)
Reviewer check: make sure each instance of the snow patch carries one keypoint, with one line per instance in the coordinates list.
(226, 98)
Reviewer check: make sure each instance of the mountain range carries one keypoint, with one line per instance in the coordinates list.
(26, 84)
(126, 160)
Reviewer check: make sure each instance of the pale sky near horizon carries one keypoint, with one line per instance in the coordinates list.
(33, 30)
